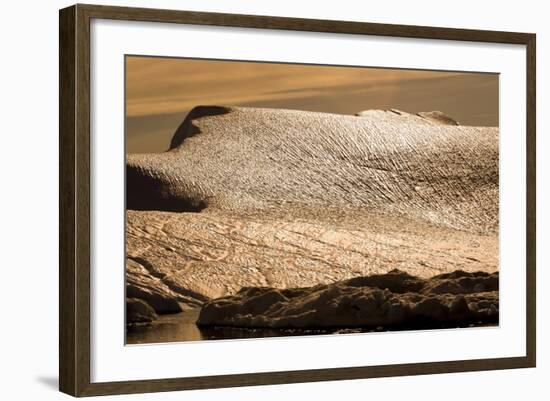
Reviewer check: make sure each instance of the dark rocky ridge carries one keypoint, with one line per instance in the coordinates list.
(389, 300)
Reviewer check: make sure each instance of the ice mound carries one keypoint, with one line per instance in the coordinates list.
(250, 159)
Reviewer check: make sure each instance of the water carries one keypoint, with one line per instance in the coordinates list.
(167, 328)
(182, 327)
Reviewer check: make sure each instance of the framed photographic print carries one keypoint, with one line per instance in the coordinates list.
(250, 200)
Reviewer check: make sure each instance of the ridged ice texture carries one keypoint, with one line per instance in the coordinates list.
(196, 256)
(250, 160)
(398, 116)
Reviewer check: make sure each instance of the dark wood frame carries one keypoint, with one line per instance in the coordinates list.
(74, 202)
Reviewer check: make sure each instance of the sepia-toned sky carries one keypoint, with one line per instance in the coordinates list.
(161, 91)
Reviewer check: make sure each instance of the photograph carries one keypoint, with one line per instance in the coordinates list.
(270, 199)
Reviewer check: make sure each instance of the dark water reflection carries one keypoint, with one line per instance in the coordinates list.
(182, 327)
(168, 328)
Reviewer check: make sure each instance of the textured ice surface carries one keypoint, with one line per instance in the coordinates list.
(286, 199)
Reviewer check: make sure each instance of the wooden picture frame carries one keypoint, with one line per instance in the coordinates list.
(74, 204)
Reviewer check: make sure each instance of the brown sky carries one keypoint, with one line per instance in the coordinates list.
(160, 92)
